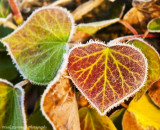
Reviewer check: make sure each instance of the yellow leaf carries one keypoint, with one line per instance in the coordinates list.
(91, 120)
(146, 114)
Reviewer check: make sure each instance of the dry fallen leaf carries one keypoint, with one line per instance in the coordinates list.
(141, 13)
(59, 105)
(154, 93)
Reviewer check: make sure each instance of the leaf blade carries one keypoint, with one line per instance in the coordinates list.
(11, 107)
(59, 104)
(92, 74)
(141, 116)
(92, 28)
(91, 120)
(38, 46)
(154, 25)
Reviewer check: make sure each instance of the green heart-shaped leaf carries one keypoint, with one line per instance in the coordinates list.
(11, 107)
(153, 64)
(91, 120)
(106, 75)
(154, 25)
(38, 46)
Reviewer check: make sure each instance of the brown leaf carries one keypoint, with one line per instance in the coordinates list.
(154, 93)
(59, 105)
(142, 13)
(129, 122)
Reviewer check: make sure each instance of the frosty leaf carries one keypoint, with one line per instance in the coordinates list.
(154, 25)
(142, 115)
(91, 120)
(92, 28)
(59, 104)
(11, 107)
(106, 75)
(154, 93)
(153, 64)
(38, 46)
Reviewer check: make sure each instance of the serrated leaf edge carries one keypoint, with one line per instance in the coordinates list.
(20, 27)
(21, 101)
(125, 98)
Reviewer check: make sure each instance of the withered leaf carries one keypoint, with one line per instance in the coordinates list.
(59, 104)
(141, 13)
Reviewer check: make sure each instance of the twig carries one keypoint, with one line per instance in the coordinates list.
(145, 34)
(16, 12)
(122, 11)
(127, 25)
(85, 8)
(121, 39)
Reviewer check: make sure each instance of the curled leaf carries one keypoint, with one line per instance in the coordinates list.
(59, 104)
(38, 46)
(91, 120)
(106, 75)
(11, 107)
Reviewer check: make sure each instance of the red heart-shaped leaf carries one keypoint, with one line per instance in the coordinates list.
(106, 75)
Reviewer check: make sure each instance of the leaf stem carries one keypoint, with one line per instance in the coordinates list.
(121, 39)
(22, 83)
(145, 34)
(127, 25)
(16, 12)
